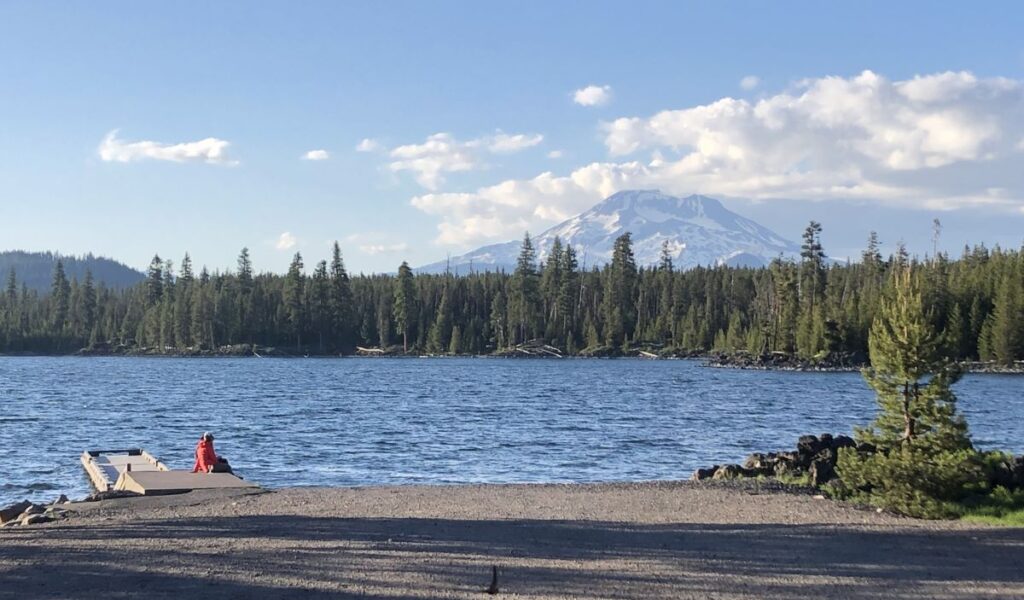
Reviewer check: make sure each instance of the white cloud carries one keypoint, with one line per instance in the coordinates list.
(374, 243)
(369, 145)
(316, 155)
(442, 153)
(750, 82)
(507, 209)
(375, 249)
(504, 143)
(286, 241)
(866, 122)
(556, 154)
(936, 142)
(592, 95)
(209, 150)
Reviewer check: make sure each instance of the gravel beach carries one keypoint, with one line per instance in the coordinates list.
(646, 540)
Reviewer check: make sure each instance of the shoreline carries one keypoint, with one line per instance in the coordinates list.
(711, 361)
(623, 540)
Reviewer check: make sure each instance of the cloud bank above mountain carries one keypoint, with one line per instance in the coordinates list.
(944, 141)
(442, 153)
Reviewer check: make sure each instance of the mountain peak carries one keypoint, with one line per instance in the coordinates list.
(700, 231)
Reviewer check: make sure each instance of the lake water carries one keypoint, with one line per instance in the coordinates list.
(342, 422)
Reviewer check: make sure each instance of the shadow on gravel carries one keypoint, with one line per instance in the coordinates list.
(315, 557)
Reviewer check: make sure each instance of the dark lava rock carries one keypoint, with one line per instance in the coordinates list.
(730, 472)
(815, 457)
(702, 474)
(1008, 473)
(13, 511)
(809, 445)
(843, 441)
(821, 472)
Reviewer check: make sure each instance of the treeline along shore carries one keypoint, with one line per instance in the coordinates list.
(810, 312)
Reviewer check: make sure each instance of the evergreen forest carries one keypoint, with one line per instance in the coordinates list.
(811, 308)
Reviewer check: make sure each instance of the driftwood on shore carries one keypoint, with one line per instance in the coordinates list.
(531, 348)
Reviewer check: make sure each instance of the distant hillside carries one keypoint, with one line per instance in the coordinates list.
(35, 269)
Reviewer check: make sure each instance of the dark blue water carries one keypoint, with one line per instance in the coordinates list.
(372, 421)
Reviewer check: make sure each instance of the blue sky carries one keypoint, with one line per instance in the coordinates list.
(466, 106)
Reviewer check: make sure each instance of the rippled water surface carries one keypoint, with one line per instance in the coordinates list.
(372, 421)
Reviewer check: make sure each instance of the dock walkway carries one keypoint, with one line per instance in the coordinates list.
(135, 470)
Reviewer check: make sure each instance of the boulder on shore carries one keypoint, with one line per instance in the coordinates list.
(730, 472)
(13, 511)
(702, 474)
(815, 457)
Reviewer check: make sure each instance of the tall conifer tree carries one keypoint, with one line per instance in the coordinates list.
(405, 299)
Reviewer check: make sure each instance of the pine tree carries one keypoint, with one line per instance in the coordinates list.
(384, 312)
(986, 352)
(568, 297)
(550, 286)
(88, 304)
(11, 325)
(524, 301)
(60, 292)
(154, 281)
(405, 298)
(455, 346)
(872, 256)
(620, 293)
(1006, 334)
(977, 317)
(201, 313)
(244, 270)
(665, 264)
(183, 304)
(924, 455)
(499, 320)
(341, 300)
(786, 305)
(955, 334)
(440, 331)
(165, 310)
(294, 290)
(245, 299)
(810, 327)
(320, 308)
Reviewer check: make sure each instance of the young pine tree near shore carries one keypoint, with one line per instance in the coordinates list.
(924, 461)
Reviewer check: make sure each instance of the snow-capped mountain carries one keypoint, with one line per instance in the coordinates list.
(699, 230)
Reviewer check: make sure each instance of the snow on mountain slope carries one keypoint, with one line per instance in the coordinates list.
(699, 230)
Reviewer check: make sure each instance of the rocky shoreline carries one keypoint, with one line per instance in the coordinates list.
(837, 363)
(29, 513)
(814, 460)
(775, 361)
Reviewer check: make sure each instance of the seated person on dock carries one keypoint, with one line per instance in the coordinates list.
(207, 460)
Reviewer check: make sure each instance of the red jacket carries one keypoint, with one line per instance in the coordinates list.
(205, 457)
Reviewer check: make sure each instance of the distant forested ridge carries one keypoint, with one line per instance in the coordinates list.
(811, 307)
(35, 269)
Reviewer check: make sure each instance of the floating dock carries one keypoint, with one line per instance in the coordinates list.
(135, 470)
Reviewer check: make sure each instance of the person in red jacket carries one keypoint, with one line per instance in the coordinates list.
(207, 460)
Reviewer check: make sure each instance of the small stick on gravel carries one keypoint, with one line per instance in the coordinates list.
(494, 581)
